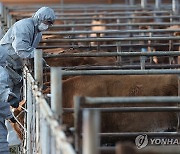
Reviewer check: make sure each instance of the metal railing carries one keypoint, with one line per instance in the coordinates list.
(44, 133)
(92, 115)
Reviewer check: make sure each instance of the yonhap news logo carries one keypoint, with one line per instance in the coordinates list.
(143, 140)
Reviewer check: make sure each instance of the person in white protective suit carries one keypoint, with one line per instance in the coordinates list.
(21, 40)
(6, 98)
(24, 36)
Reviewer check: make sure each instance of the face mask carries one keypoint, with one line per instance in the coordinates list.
(42, 27)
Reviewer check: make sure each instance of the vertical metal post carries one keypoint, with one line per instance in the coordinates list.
(77, 119)
(56, 92)
(119, 58)
(62, 6)
(91, 124)
(25, 98)
(5, 12)
(29, 116)
(178, 104)
(175, 7)
(143, 59)
(131, 2)
(8, 21)
(38, 67)
(98, 43)
(118, 22)
(157, 4)
(1, 10)
(143, 4)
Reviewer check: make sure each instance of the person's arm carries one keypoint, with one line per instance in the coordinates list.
(22, 41)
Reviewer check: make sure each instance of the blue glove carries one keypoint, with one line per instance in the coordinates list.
(14, 102)
(13, 120)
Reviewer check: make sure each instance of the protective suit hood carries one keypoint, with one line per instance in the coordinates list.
(44, 14)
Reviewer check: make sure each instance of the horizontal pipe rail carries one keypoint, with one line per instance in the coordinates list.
(147, 66)
(110, 39)
(116, 17)
(91, 7)
(137, 109)
(134, 134)
(107, 46)
(131, 100)
(112, 54)
(111, 31)
(110, 13)
(16, 14)
(116, 24)
(120, 72)
(128, 109)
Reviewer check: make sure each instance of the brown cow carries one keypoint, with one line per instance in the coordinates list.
(77, 61)
(124, 86)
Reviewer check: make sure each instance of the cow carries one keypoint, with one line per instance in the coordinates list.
(124, 85)
(76, 61)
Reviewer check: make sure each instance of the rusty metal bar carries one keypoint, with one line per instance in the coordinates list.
(108, 46)
(110, 39)
(111, 31)
(120, 72)
(115, 24)
(116, 17)
(112, 54)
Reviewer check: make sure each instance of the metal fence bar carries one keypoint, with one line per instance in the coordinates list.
(91, 129)
(143, 4)
(112, 54)
(136, 109)
(158, 4)
(83, 101)
(111, 31)
(91, 7)
(38, 67)
(107, 46)
(132, 100)
(109, 13)
(116, 17)
(175, 6)
(129, 109)
(56, 91)
(134, 134)
(153, 66)
(115, 24)
(29, 117)
(120, 72)
(52, 129)
(110, 39)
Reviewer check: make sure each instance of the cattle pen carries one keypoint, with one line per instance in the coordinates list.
(67, 110)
